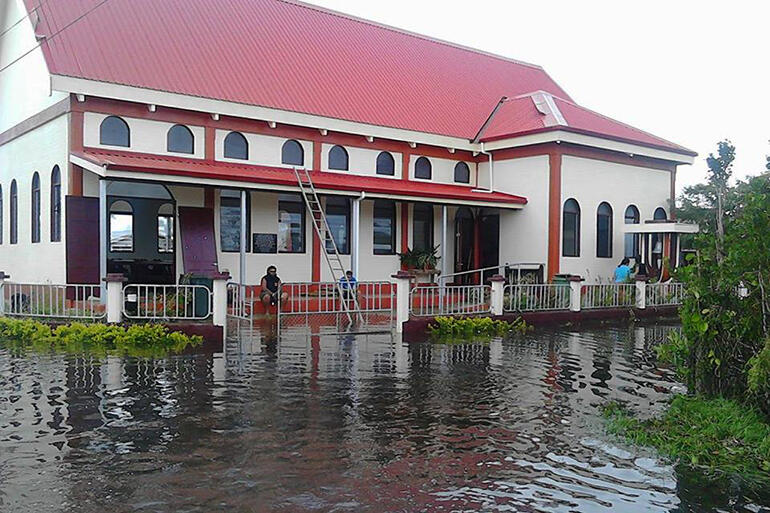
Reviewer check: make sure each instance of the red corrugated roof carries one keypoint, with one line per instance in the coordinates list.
(195, 168)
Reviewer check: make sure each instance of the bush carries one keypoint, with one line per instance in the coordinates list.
(759, 378)
(473, 327)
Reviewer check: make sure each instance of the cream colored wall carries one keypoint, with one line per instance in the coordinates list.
(591, 182)
(264, 150)
(38, 150)
(362, 161)
(147, 136)
(443, 170)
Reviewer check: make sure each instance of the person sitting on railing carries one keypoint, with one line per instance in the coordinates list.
(348, 284)
(623, 271)
(270, 284)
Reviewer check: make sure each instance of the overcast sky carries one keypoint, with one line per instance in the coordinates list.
(693, 72)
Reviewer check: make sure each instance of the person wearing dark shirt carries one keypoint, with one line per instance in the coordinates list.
(270, 284)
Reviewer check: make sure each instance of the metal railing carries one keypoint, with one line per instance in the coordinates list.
(170, 302)
(608, 295)
(52, 301)
(664, 294)
(431, 301)
(536, 298)
(241, 300)
(508, 269)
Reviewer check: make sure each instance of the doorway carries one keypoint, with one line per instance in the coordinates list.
(464, 236)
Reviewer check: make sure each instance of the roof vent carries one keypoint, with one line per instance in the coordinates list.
(547, 107)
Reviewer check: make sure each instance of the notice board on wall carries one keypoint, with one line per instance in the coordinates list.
(264, 242)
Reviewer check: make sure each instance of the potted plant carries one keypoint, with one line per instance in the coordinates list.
(420, 259)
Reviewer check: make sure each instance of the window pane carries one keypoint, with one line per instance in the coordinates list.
(230, 224)
(422, 168)
(236, 146)
(462, 173)
(338, 217)
(604, 239)
(384, 228)
(165, 234)
(114, 132)
(292, 153)
(385, 164)
(291, 225)
(423, 227)
(180, 139)
(122, 232)
(338, 158)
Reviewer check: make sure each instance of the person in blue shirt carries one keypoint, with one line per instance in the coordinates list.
(623, 271)
(348, 284)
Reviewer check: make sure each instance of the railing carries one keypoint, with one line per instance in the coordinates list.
(52, 301)
(240, 300)
(608, 295)
(536, 298)
(664, 294)
(431, 301)
(170, 302)
(324, 297)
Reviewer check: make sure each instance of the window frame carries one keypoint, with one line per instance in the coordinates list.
(288, 146)
(228, 152)
(291, 203)
(460, 165)
(391, 161)
(390, 206)
(56, 204)
(426, 162)
(13, 206)
(235, 202)
(183, 131)
(171, 220)
(656, 217)
(103, 134)
(604, 247)
(340, 206)
(576, 225)
(132, 215)
(338, 152)
(35, 208)
(634, 218)
(423, 208)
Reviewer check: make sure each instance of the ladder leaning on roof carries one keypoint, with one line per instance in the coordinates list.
(321, 227)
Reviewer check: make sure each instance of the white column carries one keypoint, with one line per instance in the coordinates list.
(244, 240)
(575, 286)
(496, 298)
(219, 299)
(401, 281)
(3, 277)
(114, 297)
(103, 238)
(355, 237)
(641, 293)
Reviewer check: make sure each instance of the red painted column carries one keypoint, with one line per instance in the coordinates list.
(316, 251)
(404, 226)
(75, 182)
(210, 140)
(554, 211)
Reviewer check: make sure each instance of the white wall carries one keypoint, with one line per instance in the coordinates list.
(38, 150)
(361, 161)
(147, 136)
(25, 87)
(591, 182)
(264, 150)
(443, 170)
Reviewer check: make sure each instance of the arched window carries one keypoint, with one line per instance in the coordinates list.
(423, 169)
(236, 146)
(1, 214)
(166, 228)
(14, 213)
(292, 153)
(35, 207)
(385, 164)
(114, 132)
(338, 158)
(604, 231)
(55, 204)
(179, 139)
(631, 240)
(121, 227)
(570, 246)
(660, 214)
(462, 173)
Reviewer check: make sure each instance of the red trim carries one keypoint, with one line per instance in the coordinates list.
(209, 148)
(208, 197)
(404, 226)
(316, 252)
(554, 212)
(405, 158)
(75, 182)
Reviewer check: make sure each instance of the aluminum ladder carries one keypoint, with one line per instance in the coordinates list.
(321, 227)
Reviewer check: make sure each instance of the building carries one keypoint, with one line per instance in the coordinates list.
(134, 134)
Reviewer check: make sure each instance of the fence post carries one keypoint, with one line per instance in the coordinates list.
(219, 298)
(641, 292)
(575, 286)
(114, 300)
(496, 297)
(3, 277)
(401, 280)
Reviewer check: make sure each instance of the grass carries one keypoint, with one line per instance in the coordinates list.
(718, 436)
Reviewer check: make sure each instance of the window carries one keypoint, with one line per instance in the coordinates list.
(423, 169)
(14, 213)
(338, 158)
(114, 132)
(422, 223)
(291, 224)
(55, 204)
(236, 146)
(384, 236)
(660, 214)
(631, 240)
(462, 173)
(230, 221)
(571, 229)
(166, 228)
(292, 153)
(338, 217)
(385, 164)
(121, 227)
(1, 214)
(604, 231)
(179, 139)
(35, 206)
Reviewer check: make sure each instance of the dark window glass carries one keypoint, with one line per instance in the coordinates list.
(338, 217)
(14, 213)
(423, 169)
(631, 240)
(660, 214)
(1, 214)
(230, 221)
(291, 224)
(384, 236)
(180, 140)
(462, 173)
(385, 164)
(292, 153)
(121, 227)
(338, 158)
(604, 231)
(35, 208)
(571, 229)
(422, 221)
(114, 132)
(166, 228)
(236, 146)
(55, 204)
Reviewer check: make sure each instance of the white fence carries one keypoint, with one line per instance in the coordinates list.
(608, 295)
(52, 301)
(241, 300)
(536, 298)
(664, 294)
(432, 301)
(166, 302)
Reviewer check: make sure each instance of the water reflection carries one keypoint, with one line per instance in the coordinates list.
(327, 423)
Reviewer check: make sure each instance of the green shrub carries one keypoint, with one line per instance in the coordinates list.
(759, 378)
(474, 327)
(675, 352)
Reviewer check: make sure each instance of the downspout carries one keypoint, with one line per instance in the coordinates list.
(483, 151)
(491, 169)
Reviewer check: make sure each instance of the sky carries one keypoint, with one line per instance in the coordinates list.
(692, 72)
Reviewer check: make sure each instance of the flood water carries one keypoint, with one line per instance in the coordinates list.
(345, 424)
